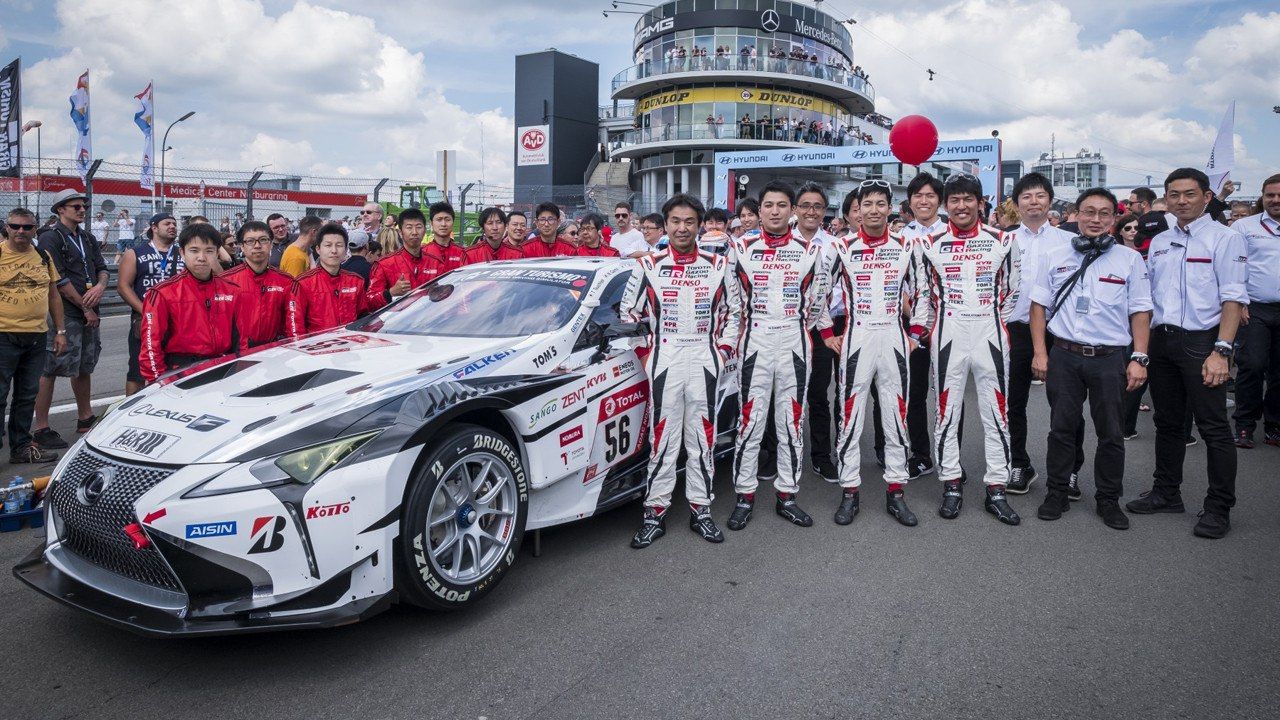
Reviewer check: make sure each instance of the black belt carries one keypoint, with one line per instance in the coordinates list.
(1088, 350)
(1211, 333)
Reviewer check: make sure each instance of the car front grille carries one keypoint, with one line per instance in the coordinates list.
(95, 531)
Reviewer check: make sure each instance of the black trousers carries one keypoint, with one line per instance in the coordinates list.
(1072, 379)
(1021, 352)
(22, 361)
(823, 407)
(1132, 403)
(1177, 359)
(1258, 379)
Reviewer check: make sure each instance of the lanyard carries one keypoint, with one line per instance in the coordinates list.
(88, 281)
(164, 261)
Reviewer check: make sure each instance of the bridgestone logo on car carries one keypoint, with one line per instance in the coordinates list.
(624, 400)
(321, 511)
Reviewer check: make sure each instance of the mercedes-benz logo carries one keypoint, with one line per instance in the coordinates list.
(770, 21)
(93, 485)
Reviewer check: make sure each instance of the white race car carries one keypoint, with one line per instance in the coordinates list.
(403, 457)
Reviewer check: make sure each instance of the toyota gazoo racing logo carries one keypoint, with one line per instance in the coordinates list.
(624, 400)
(533, 139)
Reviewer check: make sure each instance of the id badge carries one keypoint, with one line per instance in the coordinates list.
(1082, 305)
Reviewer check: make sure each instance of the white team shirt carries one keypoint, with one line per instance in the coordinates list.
(1194, 271)
(1097, 310)
(631, 241)
(1031, 245)
(1262, 238)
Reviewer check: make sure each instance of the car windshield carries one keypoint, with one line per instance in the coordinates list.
(488, 302)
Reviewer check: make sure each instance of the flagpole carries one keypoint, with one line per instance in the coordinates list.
(22, 178)
(152, 85)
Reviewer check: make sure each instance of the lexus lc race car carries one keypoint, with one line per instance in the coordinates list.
(400, 458)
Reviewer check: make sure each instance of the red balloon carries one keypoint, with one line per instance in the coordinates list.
(913, 139)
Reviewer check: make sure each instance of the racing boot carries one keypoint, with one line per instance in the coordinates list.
(1020, 480)
(654, 527)
(788, 509)
(700, 522)
(896, 505)
(848, 507)
(952, 500)
(741, 511)
(997, 503)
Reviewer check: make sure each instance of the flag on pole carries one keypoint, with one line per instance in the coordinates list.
(10, 122)
(80, 116)
(1222, 159)
(145, 120)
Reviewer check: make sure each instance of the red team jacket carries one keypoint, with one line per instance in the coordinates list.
(446, 258)
(184, 316)
(536, 248)
(483, 252)
(433, 261)
(321, 301)
(603, 250)
(264, 299)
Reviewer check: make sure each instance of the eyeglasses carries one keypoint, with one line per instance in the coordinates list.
(572, 233)
(1099, 214)
(548, 219)
(811, 207)
(22, 226)
(254, 242)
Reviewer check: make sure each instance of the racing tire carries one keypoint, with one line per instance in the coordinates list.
(463, 521)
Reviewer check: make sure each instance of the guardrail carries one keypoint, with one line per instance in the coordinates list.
(781, 66)
(729, 131)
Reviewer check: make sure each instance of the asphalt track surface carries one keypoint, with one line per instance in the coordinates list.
(960, 619)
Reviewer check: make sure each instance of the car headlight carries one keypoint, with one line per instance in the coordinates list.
(303, 466)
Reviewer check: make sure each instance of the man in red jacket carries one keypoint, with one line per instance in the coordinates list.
(591, 242)
(547, 244)
(264, 290)
(407, 268)
(328, 296)
(447, 254)
(490, 247)
(190, 317)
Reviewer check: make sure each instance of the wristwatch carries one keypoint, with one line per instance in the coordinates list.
(1225, 349)
(62, 332)
(1140, 358)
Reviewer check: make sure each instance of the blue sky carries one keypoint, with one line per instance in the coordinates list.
(373, 88)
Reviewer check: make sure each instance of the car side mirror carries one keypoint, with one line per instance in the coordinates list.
(613, 331)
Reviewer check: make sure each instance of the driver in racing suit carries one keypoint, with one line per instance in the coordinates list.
(689, 300)
(783, 283)
(968, 282)
(874, 268)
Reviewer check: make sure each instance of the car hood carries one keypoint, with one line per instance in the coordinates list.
(283, 389)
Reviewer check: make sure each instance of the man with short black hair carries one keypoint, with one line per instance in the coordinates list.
(265, 290)
(590, 242)
(547, 242)
(279, 225)
(627, 240)
(517, 231)
(1258, 381)
(447, 254)
(407, 268)
(296, 258)
(142, 268)
(491, 245)
(1094, 295)
(1199, 285)
(811, 207)
(924, 195)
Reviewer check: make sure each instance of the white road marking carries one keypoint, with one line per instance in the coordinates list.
(104, 402)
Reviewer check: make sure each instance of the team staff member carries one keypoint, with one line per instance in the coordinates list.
(407, 268)
(590, 242)
(328, 296)
(517, 231)
(265, 291)
(811, 208)
(1199, 279)
(873, 268)
(143, 267)
(783, 284)
(447, 254)
(1095, 295)
(688, 298)
(1033, 195)
(491, 246)
(969, 276)
(547, 243)
(190, 317)
(1258, 381)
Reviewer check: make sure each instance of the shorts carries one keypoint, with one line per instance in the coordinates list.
(128, 243)
(134, 374)
(83, 348)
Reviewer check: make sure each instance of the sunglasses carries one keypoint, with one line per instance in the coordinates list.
(22, 226)
(621, 215)
(77, 206)
(873, 183)
(368, 212)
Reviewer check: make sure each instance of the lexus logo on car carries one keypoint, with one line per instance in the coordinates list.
(770, 21)
(93, 485)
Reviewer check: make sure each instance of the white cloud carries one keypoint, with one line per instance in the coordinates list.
(1238, 62)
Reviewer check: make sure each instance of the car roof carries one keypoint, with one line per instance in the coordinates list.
(587, 264)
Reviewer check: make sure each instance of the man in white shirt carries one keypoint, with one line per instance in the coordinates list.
(1198, 288)
(101, 228)
(628, 241)
(1094, 296)
(1258, 381)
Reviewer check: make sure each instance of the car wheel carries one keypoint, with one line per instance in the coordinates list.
(464, 519)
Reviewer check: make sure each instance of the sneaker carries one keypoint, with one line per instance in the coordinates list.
(918, 467)
(997, 503)
(700, 522)
(1272, 438)
(848, 507)
(787, 508)
(896, 505)
(1151, 502)
(31, 453)
(827, 470)
(1112, 516)
(654, 527)
(1073, 487)
(48, 438)
(1244, 439)
(952, 500)
(1054, 505)
(1192, 441)
(1020, 480)
(84, 426)
(741, 514)
(1131, 435)
(1212, 526)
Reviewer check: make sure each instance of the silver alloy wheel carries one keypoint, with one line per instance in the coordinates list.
(472, 517)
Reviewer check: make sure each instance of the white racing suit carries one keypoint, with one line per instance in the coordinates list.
(784, 288)
(968, 287)
(691, 305)
(874, 274)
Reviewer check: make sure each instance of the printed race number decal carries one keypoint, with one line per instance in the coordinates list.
(617, 438)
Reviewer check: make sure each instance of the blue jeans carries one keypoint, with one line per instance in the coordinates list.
(22, 359)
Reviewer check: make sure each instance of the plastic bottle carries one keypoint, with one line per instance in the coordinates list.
(13, 496)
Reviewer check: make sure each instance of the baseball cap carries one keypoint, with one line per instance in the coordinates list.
(357, 239)
(158, 217)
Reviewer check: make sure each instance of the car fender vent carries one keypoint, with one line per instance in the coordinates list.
(298, 383)
(221, 372)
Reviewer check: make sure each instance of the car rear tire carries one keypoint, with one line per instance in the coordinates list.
(464, 519)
